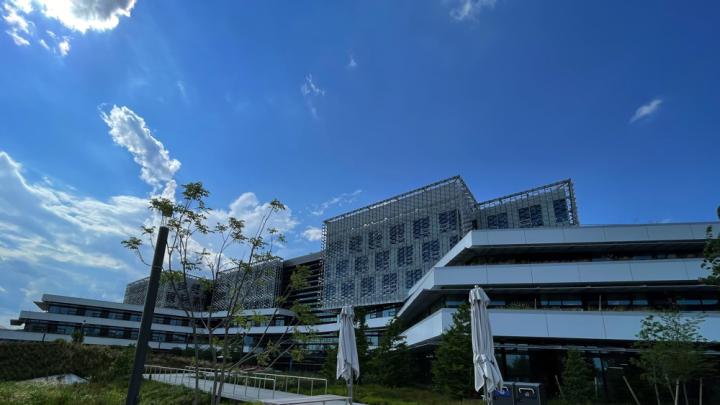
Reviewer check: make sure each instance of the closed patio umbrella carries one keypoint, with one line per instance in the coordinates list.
(487, 373)
(347, 356)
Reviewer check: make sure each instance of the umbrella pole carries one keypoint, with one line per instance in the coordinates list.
(350, 388)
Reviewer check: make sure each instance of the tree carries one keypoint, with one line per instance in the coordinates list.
(239, 266)
(391, 363)
(452, 368)
(577, 379)
(671, 352)
(712, 255)
(78, 335)
(362, 343)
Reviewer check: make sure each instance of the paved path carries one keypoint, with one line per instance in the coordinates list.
(232, 391)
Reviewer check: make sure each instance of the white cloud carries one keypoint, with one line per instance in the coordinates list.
(248, 208)
(647, 110)
(19, 28)
(352, 63)
(64, 47)
(183, 92)
(311, 92)
(17, 38)
(129, 131)
(60, 241)
(2, 290)
(469, 9)
(312, 233)
(75, 15)
(87, 15)
(344, 198)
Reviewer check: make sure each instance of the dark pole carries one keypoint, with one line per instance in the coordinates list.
(147, 317)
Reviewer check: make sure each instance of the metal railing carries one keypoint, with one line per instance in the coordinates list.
(284, 379)
(178, 376)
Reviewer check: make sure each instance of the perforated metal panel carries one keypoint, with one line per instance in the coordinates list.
(388, 243)
(258, 287)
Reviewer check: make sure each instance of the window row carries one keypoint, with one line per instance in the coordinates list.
(404, 257)
(448, 221)
(530, 217)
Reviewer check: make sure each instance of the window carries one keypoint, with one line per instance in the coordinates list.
(448, 221)
(431, 251)
(361, 264)
(561, 211)
(412, 277)
(347, 289)
(335, 247)
(170, 297)
(530, 216)
(116, 315)
(536, 215)
(135, 317)
(116, 333)
(330, 291)
(382, 260)
(397, 234)
(389, 283)
(93, 313)
(498, 221)
(367, 287)
(421, 228)
(454, 239)
(375, 239)
(356, 244)
(405, 256)
(65, 329)
(342, 268)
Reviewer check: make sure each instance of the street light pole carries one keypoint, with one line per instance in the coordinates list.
(147, 317)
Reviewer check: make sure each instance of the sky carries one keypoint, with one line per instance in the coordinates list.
(331, 105)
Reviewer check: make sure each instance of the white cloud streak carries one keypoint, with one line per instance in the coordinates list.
(470, 9)
(312, 233)
(344, 198)
(311, 92)
(130, 131)
(646, 110)
(352, 63)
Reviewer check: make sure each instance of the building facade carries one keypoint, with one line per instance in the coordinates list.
(554, 284)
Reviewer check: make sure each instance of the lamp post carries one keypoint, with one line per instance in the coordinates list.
(147, 317)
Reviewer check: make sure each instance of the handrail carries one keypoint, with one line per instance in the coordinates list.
(286, 377)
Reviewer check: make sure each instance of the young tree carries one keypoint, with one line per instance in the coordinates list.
(452, 368)
(391, 363)
(577, 379)
(362, 343)
(712, 255)
(231, 273)
(671, 352)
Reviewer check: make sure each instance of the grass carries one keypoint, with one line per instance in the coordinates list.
(94, 394)
(372, 394)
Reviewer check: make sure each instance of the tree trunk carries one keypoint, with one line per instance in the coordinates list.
(700, 393)
(677, 392)
(687, 402)
(657, 393)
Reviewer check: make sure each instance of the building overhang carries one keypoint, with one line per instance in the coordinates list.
(570, 239)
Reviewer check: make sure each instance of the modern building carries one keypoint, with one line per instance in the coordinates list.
(554, 283)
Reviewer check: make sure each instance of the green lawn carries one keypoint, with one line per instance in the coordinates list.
(93, 394)
(372, 394)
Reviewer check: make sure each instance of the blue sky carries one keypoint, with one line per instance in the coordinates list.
(331, 105)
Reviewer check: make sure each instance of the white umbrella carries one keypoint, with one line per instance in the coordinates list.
(347, 356)
(487, 373)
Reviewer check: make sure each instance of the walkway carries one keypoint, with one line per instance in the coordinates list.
(253, 391)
